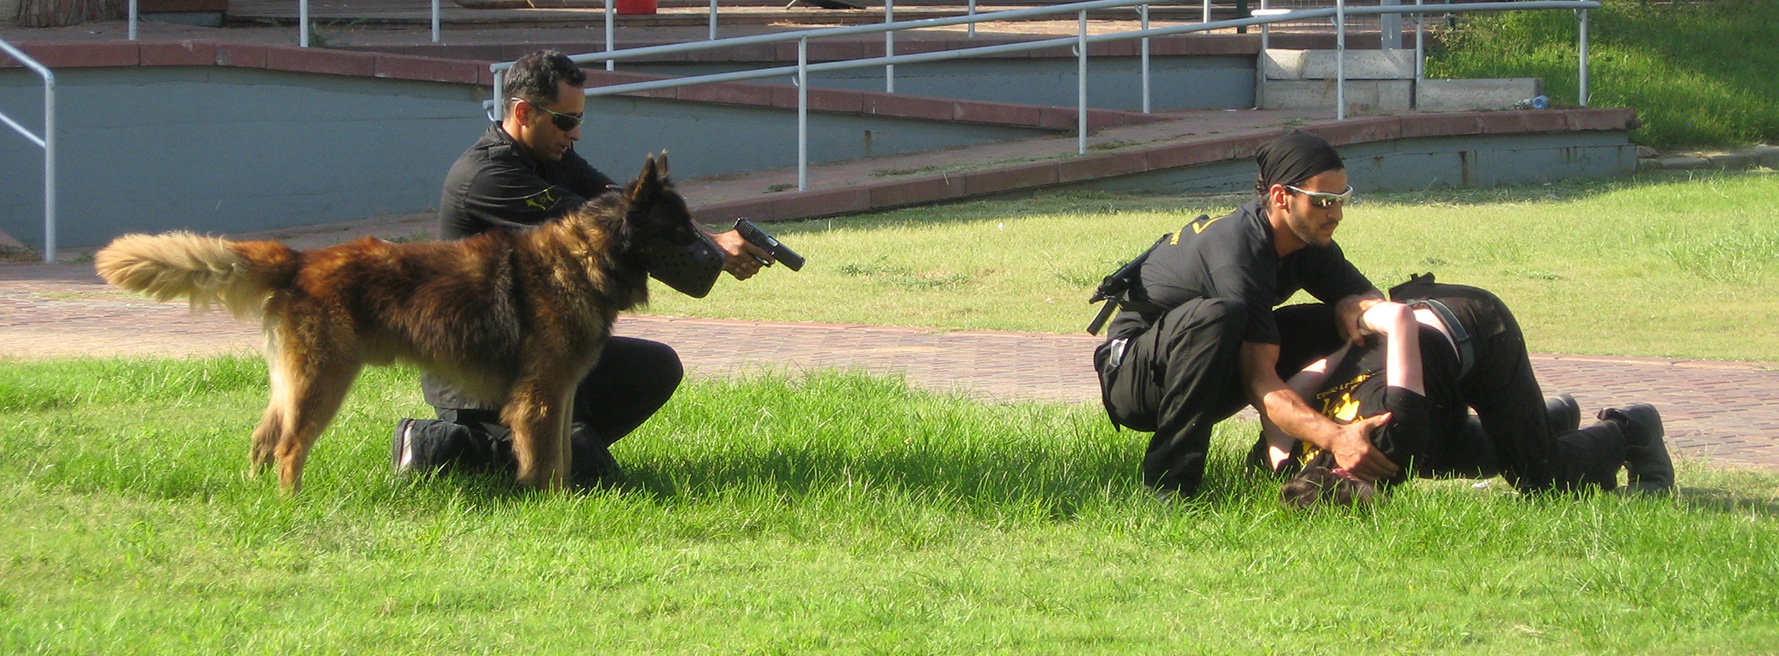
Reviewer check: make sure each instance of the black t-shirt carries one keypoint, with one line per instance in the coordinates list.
(1234, 257)
(497, 183)
(1357, 388)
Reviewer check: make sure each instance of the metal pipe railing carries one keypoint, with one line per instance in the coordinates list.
(1080, 43)
(1081, 87)
(1340, 60)
(47, 142)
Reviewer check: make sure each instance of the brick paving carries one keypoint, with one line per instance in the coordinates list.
(1725, 413)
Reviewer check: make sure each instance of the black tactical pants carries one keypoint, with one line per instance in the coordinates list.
(1182, 376)
(1502, 390)
(633, 379)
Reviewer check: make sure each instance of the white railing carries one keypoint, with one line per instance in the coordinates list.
(47, 142)
(1080, 43)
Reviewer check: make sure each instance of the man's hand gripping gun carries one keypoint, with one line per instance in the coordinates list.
(766, 242)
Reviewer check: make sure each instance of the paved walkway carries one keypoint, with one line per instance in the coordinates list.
(1726, 413)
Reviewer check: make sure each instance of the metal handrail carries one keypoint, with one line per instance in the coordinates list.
(303, 21)
(495, 107)
(47, 142)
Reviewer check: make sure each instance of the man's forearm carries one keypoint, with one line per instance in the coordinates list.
(1277, 402)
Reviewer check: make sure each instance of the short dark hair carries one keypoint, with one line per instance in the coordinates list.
(534, 77)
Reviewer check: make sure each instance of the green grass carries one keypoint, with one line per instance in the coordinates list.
(1699, 74)
(1667, 265)
(833, 513)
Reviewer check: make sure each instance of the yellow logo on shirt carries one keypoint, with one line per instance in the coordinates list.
(1338, 402)
(1198, 228)
(542, 200)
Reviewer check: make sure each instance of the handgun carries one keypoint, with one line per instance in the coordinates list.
(758, 237)
(1112, 289)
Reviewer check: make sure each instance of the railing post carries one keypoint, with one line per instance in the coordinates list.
(435, 21)
(802, 114)
(303, 23)
(1420, 44)
(133, 16)
(1414, 89)
(972, 33)
(713, 20)
(1145, 11)
(1081, 87)
(1582, 94)
(1390, 29)
(1265, 33)
(1340, 60)
(610, 64)
(49, 169)
(1207, 15)
(500, 105)
(889, 47)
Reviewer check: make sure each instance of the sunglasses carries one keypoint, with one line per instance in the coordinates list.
(563, 122)
(1324, 199)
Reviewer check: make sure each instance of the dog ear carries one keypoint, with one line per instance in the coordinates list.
(646, 186)
(662, 161)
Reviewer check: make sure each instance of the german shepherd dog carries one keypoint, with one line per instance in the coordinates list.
(515, 316)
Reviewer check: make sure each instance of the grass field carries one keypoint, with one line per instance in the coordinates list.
(1659, 265)
(826, 514)
(1699, 73)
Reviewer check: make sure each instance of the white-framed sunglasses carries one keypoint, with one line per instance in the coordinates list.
(1324, 199)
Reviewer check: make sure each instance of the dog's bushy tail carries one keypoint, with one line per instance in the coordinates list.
(207, 271)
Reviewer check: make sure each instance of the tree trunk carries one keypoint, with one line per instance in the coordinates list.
(62, 13)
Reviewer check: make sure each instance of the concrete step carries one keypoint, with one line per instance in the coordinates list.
(1281, 64)
(1372, 96)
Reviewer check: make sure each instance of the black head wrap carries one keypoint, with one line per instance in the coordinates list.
(1293, 158)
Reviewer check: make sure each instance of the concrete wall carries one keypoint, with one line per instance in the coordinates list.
(1198, 82)
(1434, 162)
(707, 139)
(217, 149)
(224, 150)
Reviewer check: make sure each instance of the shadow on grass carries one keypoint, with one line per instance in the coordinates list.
(1727, 501)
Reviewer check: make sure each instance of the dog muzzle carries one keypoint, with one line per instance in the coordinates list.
(690, 268)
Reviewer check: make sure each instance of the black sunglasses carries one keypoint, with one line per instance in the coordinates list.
(563, 122)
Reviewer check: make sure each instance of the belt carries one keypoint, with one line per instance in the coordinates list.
(1460, 338)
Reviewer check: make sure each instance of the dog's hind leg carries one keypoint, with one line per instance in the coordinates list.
(271, 426)
(317, 386)
(265, 440)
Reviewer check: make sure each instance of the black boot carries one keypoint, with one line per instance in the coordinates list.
(1564, 414)
(592, 464)
(1646, 455)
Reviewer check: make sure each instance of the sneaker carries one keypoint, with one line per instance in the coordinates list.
(401, 452)
(422, 445)
(1564, 414)
(1646, 455)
